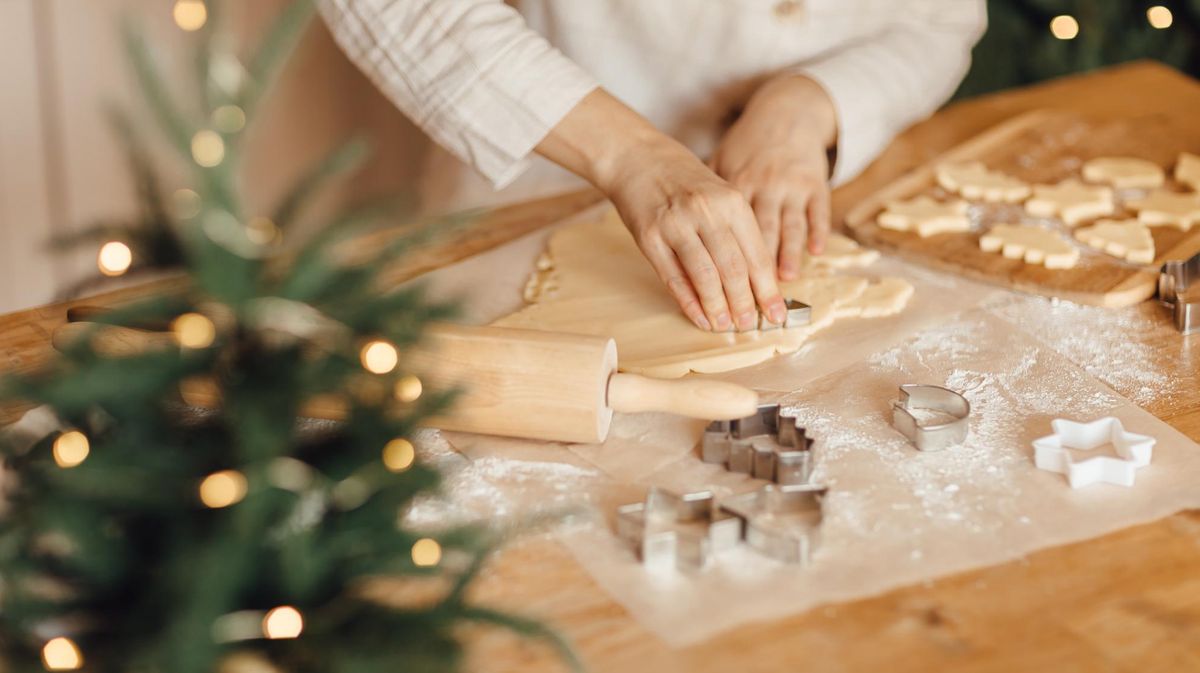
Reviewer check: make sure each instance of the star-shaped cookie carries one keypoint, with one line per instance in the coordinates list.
(1124, 172)
(1053, 453)
(1163, 208)
(1129, 240)
(1070, 200)
(925, 216)
(977, 182)
(1187, 170)
(1031, 243)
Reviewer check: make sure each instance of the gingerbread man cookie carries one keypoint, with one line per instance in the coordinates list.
(1031, 243)
(1124, 172)
(925, 216)
(1127, 239)
(1162, 208)
(1071, 200)
(977, 182)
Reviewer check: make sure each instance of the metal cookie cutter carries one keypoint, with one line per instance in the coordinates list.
(931, 436)
(1174, 280)
(799, 314)
(768, 445)
(671, 530)
(782, 522)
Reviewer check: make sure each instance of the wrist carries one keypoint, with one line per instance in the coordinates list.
(803, 102)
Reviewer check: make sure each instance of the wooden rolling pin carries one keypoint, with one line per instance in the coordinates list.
(517, 383)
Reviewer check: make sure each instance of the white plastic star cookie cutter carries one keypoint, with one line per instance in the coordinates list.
(1053, 453)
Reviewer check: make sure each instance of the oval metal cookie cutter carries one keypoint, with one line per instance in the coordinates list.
(931, 436)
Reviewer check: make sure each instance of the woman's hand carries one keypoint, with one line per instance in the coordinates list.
(776, 154)
(697, 231)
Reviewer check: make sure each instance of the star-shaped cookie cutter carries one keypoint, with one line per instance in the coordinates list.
(769, 445)
(677, 530)
(931, 436)
(1175, 279)
(781, 522)
(1053, 452)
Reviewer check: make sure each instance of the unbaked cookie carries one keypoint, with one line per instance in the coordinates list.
(1031, 243)
(925, 216)
(1124, 172)
(1071, 200)
(1187, 170)
(887, 297)
(1162, 208)
(842, 252)
(979, 183)
(1127, 239)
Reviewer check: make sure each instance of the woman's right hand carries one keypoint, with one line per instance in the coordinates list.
(697, 230)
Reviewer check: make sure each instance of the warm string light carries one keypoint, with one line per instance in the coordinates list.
(283, 622)
(208, 148)
(114, 258)
(185, 203)
(222, 489)
(61, 654)
(229, 118)
(379, 357)
(399, 454)
(262, 231)
(71, 448)
(194, 330)
(1160, 17)
(190, 15)
(426, 552)
(408, 388)
(1064, 27)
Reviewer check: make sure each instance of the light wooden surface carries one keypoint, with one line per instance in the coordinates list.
(1042, 147)
(1129, 601)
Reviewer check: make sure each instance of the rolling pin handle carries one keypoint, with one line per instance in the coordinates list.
(709, 400)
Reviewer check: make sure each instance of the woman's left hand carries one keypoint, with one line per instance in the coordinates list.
(777, 155)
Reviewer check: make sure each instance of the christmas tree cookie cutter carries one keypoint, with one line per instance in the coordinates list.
(780, 522)
(1053, 452)
(931, 436)
(1175, 280)
(769, 445)
(677, 530)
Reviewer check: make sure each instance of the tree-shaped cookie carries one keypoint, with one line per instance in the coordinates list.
(1127, 239)
(1162, 208)
(1124, 172)
(1071, 200)
(1187, 170)
(925, 216)
(1033, 244)
(979, 183)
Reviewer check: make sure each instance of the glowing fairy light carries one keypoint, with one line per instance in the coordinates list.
(399, 454)
(229, 118)
(190, 15)
(185, 203)
(1160, 17)
(222, 489)
(262, 231)
(208, 149)
(283, 622)
(426, 552)
(1064, 27)
(61, 654)
(194, 330)
(408, 388)
(71, 448)
(114, 258)
(379, 357)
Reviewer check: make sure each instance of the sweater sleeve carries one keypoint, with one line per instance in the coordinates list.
(470, 73)
(881, 84)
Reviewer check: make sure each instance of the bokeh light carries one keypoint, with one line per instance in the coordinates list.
(1064, 27)
(229, 118)
(114, 258)
(222, 489)
(1160, 17)
(61, 654)
(194, 330)
(283, 622)
(426, 552)
(190, 15)
(379, 357)
(208, 149)
(399, 454)
(408, 388)
(71, 448)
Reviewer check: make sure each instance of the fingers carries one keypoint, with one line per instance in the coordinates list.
(818, 219)
(767, 210)
(791, 238)
(704, 274)
(673, 275)
(759, 265)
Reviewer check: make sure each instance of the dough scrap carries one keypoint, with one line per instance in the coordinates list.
(1127, 239)
(926, 216)
(842, 252)
(1034, 244)
(1162, 208)
(604, 286)
(1187, 170)
(977, 182)
(887, 297)
(1070, 200)
(1124, 172)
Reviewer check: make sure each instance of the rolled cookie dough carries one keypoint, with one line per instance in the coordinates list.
(1031, 243)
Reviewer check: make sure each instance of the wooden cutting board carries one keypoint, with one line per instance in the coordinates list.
(1040, 147)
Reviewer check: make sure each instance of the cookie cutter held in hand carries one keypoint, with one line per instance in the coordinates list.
(798, 314)
(1174, 280)
(769, 445)
(781, 522)
(931, 436)
(671, 530)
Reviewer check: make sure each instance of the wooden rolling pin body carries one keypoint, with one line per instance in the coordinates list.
(514, 382)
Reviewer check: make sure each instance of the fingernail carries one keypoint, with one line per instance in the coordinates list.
(777, 313)
(748, 321)
(723, 323)
(787, 272)
(702, 323)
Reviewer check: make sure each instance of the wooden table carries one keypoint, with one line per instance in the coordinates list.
(1128, 601)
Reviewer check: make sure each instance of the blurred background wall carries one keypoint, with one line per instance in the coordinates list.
(60, 62)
